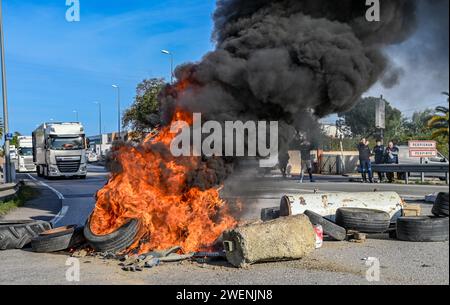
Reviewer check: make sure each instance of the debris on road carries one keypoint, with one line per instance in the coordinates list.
(58, 239)
(286, 238)
(363, 220)
(423, 229)
(270, 213)
(318, 229)
(327, 204)
(16, 234)
(440, 207)
(412, 210)
(116, 241)
(357, 237)
(331, 229)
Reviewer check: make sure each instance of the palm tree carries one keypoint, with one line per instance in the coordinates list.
(439, 123)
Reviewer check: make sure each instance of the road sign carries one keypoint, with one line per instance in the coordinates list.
(422, 149)
(423, 153)
(422, 145)
(9, 137)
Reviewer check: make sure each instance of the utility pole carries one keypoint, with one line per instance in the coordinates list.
(7, 169)
(118, 110)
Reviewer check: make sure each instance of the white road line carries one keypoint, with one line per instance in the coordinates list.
(64, 209)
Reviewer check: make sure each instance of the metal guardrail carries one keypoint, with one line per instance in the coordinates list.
(413, 168)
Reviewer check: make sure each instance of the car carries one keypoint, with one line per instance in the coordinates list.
(91, 156)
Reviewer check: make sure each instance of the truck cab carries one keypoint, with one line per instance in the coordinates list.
(25, 161)
(59, 150)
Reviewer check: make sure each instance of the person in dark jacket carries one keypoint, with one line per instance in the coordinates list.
(378, 151)
(305, 150)
(364, 160)
(391, 157)
(283, 161)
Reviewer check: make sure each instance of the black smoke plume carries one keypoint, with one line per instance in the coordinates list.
(289, 60)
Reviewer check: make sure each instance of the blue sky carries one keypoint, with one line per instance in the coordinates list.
(55, 67)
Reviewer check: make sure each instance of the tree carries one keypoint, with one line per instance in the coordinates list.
(15, 140)
(144, 114)
(439, 123)
(361, 119)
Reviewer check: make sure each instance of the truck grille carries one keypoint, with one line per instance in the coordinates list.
(68, 166)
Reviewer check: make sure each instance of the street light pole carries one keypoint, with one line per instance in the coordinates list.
(7, 170)
(118, 110)
(171, 63)
(100, 126)
(76, 114)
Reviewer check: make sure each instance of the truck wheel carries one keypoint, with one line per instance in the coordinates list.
(422, 229)
(39, 171)
(114, 242)
(363, 220)
(83, 177)
(329, 228)
(58, 239)
(17, 234)
(440, 207)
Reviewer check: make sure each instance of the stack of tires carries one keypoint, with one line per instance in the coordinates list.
(426, 228)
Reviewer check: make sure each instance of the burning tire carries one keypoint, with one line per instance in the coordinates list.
(17, 234)
(422, 229)
(329, 228)
(116, 241)
(58, 239)
(440, 207)
(270, 213)
(363, 220)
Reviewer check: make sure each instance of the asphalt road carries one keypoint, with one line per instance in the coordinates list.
(335, 263)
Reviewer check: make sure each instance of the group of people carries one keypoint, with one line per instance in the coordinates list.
(383, 155)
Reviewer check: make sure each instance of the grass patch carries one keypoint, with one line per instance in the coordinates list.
(25, 194)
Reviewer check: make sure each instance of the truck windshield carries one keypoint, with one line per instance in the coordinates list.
(26, 151)
(75, 143)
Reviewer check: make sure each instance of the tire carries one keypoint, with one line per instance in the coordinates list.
(114, 242)
(58, 239)
(83, 177)
(440, 207)
(270, 214)
(422, 229)
(39, 171)
(329, 228)
(363, 220)
(18, 234)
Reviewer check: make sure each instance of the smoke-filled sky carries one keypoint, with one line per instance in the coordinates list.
(55, 67)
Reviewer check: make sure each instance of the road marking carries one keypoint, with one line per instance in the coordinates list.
(64, 209)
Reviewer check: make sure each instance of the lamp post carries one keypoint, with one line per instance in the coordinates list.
(118, 109)
(171, 63)
(7, 170)
(76, 115)
(100, 126)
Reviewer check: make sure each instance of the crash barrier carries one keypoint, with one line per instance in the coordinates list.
(8, 191)
(407, 169)
(326, 205)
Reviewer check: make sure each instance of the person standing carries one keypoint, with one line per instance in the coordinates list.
(391, 157)
(283, 161)
(379, 151)
(364, 160)
(305, 151)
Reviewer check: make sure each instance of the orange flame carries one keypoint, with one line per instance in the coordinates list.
(152, 187)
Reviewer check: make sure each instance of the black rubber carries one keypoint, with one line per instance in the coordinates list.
(58, 239)
(329, 228)
(18, 234)
(422, 229)
(115, 242)
(270, 213)
(440, 207)
(363, 220)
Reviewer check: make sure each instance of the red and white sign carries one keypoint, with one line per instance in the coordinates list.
(422, 149)
(423, 145)
(423, 153)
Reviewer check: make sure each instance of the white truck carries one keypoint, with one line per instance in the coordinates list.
(25, 161)
(59, 150)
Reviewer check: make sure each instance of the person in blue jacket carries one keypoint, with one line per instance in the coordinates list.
(391, 157)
